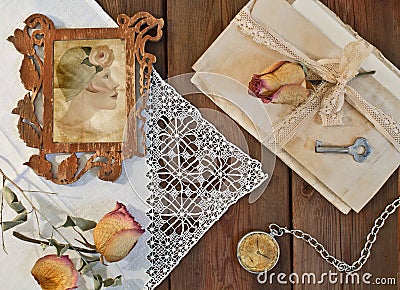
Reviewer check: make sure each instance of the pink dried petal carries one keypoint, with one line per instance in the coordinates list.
(291, 95)
(55, 273)
(120, 244)
(263, 86)
(273, 67)
(268, 83)
(290, 73)
(113, 223)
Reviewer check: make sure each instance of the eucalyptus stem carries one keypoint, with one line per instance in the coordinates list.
(23, 192)
(37, 221)
(40, 242)
(5, 177)
(79, 250)
(36, 210)
(1, 217)
(47, 192)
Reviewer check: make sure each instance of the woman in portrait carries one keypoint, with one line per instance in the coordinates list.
(84, 78)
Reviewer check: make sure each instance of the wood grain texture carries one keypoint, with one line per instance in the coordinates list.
(344, 236)
(212, 264)
(191, 26)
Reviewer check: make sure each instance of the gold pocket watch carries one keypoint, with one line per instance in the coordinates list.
(258, 252)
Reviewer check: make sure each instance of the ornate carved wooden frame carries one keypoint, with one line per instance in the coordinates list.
(37, 77)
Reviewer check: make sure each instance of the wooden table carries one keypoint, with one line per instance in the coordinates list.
(190, 27)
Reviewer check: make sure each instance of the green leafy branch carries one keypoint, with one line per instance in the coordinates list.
(109, 282)
(61, 248)
(76, 223)
(16, 205)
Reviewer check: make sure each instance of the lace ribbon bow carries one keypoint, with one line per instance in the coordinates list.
(330, 95)
(339, 72)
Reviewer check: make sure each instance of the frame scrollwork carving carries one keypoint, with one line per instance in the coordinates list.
(37, 76)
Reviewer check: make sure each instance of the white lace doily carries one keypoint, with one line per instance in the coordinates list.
(180, 214)
(195, 176)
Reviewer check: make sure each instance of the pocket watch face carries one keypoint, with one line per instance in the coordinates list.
(258, 252)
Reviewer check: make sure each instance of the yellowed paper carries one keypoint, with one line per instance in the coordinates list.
(339, 178)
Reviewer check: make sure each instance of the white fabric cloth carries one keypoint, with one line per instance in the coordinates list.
(91, 198)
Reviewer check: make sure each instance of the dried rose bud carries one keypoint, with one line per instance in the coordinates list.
(283, 83)
(55, 273)
(116, 234)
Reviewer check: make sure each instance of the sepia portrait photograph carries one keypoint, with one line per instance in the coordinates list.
(89, 92)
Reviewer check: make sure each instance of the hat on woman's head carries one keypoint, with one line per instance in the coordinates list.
(78, 66)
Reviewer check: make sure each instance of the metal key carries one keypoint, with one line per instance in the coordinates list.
(352, 149)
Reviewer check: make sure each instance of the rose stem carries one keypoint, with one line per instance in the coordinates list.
(35, 241)
(317, 82)
(365, 73)
(85, 241)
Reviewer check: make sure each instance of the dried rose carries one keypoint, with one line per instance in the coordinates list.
(116, 234)
(55, 273)
(102, 56)
(283, 83)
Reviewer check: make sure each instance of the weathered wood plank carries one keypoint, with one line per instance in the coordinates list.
(354, 228)
(191, 28)
(344, 236)
(212, 264)
(315, 215)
